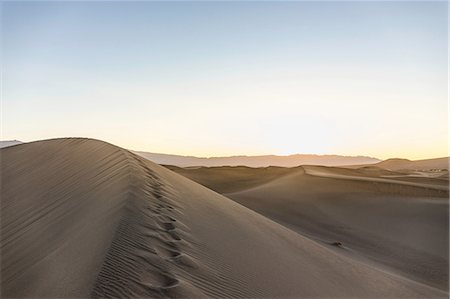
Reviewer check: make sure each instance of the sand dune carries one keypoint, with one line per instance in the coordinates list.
(405, 164)
(399, 179)
(227, 179)
(402, 228)
(6, 143)
(390, 223)
(83, 218)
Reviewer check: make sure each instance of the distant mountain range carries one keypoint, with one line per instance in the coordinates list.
(258, 161)
(285, 161)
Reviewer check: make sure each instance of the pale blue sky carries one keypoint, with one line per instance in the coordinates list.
(222, 78)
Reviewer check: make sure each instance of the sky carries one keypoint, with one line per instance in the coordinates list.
(230, 78)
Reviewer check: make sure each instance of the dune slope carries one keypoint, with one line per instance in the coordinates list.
(404, 164)
(6, 143)
(401, 227)
(83, 218)
(226, 179)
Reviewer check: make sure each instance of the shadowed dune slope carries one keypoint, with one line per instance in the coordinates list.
(400, 228)
(225, 179)
(229, 179)
(84, 218)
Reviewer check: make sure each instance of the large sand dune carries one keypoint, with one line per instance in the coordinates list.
(84, 218)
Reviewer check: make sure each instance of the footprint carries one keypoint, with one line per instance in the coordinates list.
(158, 280)
(168, 226)
(167, 253)
(165, 218)
(174, 235)
(184, 260)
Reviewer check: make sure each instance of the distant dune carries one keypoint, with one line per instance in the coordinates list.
(258, 161)
(227, 179)
(84, 218)
(6, 143)
(405, 164)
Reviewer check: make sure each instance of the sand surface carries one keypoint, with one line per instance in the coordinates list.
(405, 164)
(6, 143)
(396, 164)
(84, 218)
(226, 179)
(385, 219)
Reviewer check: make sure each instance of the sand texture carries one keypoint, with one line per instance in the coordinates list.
(393, 221)
(84, 218)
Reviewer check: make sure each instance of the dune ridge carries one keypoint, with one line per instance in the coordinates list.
(83, 218)
(405, 164)
(6, 143)
(323, 172)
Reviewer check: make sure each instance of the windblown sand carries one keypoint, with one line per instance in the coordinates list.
(83, 218)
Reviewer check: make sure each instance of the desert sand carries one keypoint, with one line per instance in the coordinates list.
(84, 218)
(405, 164)
(7, 143)
(397, 164)
(394, 221)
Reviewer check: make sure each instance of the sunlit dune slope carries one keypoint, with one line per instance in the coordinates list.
(405, 164)
(84, 218)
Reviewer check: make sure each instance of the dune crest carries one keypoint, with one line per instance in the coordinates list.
(405, 164)
(83, 218)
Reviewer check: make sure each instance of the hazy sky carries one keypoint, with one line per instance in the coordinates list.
(213, 79)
